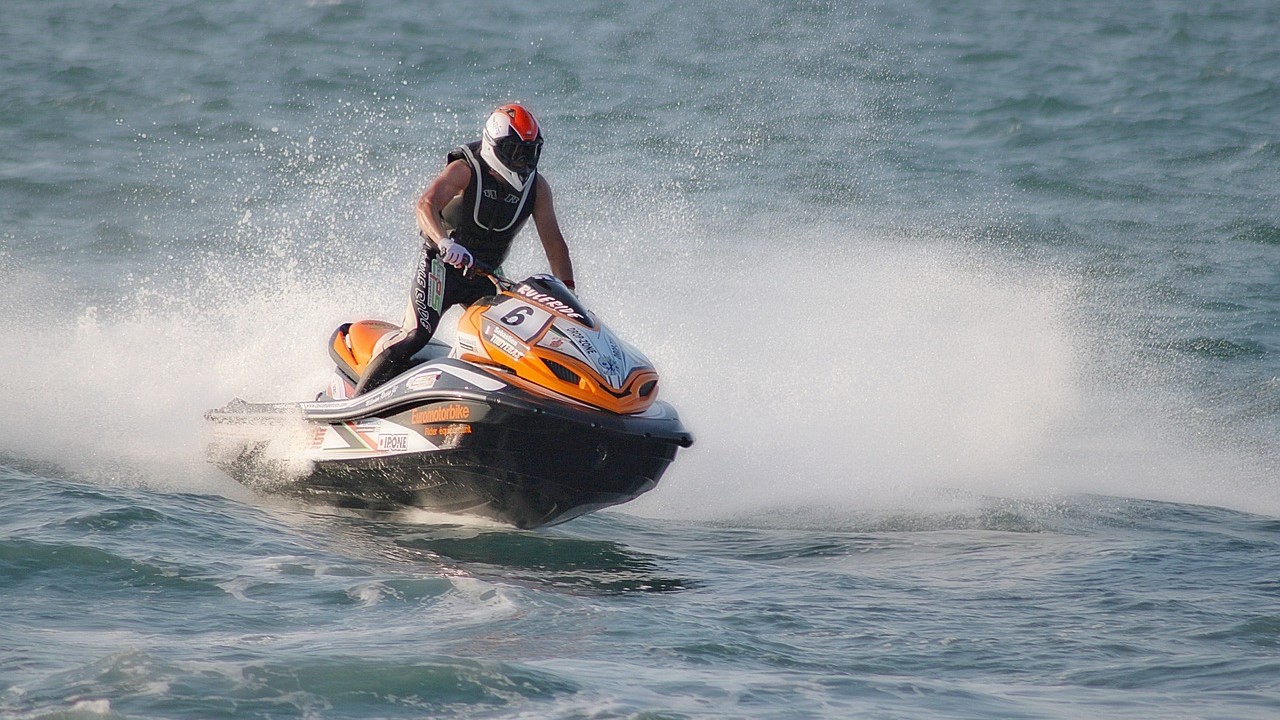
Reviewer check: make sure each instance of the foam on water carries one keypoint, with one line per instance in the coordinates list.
(898, 369)
(878, 375)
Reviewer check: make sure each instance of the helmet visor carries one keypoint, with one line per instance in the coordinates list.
(519, 155)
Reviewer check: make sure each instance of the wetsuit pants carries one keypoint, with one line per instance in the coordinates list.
(436, 288)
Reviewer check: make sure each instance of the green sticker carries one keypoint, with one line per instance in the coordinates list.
(435, 285)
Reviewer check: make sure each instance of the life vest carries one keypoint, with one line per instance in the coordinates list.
(487, 215)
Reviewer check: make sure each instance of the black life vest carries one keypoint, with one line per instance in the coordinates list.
(487, 215)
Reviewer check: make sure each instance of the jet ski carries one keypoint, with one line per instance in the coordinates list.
(536, 414)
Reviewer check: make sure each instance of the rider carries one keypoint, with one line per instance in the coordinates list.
(472, 212)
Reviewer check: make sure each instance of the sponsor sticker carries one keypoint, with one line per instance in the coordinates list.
(435, 285)
(425, 381)
(550, 302)
(448, 430)
(581, 340)
(398, 442)
(610, 366)
(379, 395)
(612, 363)
(440, 413)
(505, 341)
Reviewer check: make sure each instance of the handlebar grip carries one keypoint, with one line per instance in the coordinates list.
(478, 268)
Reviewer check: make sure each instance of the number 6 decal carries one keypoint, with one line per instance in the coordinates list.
(517, 316)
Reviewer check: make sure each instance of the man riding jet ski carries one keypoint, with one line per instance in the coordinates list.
(473, 211)
(536, 414)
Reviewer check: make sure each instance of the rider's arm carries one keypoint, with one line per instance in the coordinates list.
(544, 218)
(451, 181)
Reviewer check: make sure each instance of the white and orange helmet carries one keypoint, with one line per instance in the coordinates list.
(512, 144)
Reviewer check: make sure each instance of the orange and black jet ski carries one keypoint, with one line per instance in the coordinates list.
(536, 414)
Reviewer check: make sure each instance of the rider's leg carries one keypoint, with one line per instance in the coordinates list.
(393, 350)
(421, 318)
(436, 288)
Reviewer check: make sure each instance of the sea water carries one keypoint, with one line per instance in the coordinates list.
(973, 309)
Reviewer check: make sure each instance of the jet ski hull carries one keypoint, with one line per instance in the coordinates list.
(447, 437)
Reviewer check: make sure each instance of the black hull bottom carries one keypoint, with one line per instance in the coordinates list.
(524, 470)
(527, 484)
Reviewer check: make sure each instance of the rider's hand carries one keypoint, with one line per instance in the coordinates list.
(453, 253)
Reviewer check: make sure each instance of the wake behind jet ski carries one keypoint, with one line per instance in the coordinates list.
(536, 414)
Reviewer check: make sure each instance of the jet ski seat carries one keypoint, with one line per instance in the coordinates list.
(352, 345)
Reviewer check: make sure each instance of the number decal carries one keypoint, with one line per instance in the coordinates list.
(523, 320)
(517, 316)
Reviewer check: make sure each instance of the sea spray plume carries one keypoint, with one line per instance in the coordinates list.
(225, 299)
(908, 368)
(895, 372)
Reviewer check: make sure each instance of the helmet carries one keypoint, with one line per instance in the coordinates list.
(511, 144)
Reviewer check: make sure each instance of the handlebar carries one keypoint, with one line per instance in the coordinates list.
(475, 268)
(486, 271)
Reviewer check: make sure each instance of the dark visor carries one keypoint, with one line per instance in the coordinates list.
(518, 154)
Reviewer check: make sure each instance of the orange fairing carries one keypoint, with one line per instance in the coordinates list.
(545, 371)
